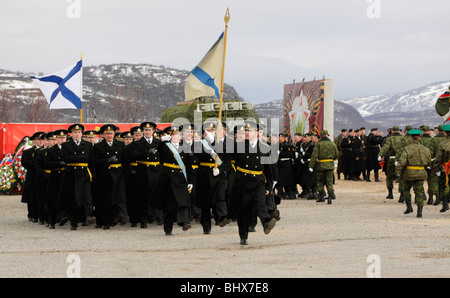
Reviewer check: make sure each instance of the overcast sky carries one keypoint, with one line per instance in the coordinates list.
(366, 46)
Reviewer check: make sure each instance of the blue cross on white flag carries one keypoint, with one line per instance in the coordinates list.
(205, 78)
(63, 89)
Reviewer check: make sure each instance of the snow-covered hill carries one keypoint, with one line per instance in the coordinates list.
(116, 92)
(420, 99)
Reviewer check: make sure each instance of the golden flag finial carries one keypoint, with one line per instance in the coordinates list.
(227, 16)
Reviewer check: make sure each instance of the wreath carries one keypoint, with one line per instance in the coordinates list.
(19, 170)
(7, 178)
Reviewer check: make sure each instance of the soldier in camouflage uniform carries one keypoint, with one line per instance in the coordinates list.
(322, 161)
(411, 165)
(427, 141)
(436, 140)
(405, 141)
(337, 142)
(441, 166)
(388, 152)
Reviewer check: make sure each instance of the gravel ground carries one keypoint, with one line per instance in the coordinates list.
(360, 235)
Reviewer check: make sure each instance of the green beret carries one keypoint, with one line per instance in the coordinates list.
(445, 127)
(395, 128)
(425, 128)
(408, 127)
(415, 132)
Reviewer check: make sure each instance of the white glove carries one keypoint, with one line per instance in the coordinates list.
(296, 154)
(165, 138)
(274, 183)
(302, 161)
(311, 170)
(267, 192)
(438, 174)
(395, 163)
(379, 158)
(216, 171)
(209, 137)
(190, 187)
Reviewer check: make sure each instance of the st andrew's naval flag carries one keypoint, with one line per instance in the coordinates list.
(205, 79)
(63, 89)
(443, 105)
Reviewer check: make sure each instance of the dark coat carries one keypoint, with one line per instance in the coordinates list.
(308, 179)
(298, 167)
(357, 155)
(347, 155)
(248, 191)
(171, 181)
(210, 188)
(146, 175)
(110, 180)
(285, 167)
(132, 187)
(364, 152)
(27, 163)
(41, 181)
(373, 149)
(194, 161)
(52, 161)
(76, 181)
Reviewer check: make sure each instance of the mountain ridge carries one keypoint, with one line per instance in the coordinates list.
(120, 92)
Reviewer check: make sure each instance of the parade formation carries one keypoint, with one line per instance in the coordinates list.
(186, 174)
(146, 175)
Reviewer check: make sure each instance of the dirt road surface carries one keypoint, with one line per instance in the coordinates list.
(361, 234)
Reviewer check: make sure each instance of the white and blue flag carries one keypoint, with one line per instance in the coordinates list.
(63, 89)
(205, 79)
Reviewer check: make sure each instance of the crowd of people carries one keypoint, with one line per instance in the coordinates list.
(409, 157)
(184, 174)
(146, 175)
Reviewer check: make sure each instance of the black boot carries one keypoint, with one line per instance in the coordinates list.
(409, 208)
(331, 197)
(339, 176)
(419, 211)
(321, 198)
(444, 205)
(291, 195)
(430, 199)
(306, 193)
(367, 176)
(302, 193)
(401, 199)
(390, 195)
(377, 179)
(438, 200)
(313, 196)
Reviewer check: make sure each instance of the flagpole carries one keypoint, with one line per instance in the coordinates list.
(219, 122)
(81, 110)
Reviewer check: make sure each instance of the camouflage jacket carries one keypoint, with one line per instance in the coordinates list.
(442, 154)
(427, 141)
(323, 155)
(391, 142)
(404, 141)
(440, 137)
(413, 160)
(337, 142)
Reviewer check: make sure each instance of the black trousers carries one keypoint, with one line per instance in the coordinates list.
(173, 212)
(215, 202)
(252, 208)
